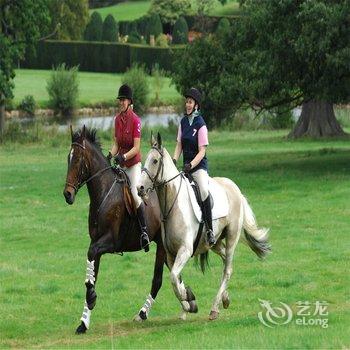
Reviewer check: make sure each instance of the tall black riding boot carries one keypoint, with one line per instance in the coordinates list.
(208, 221)
(144, 240)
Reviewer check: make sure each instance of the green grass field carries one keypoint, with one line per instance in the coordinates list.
(131, 10)
(95, 88)
(300, 189)
(126, 11)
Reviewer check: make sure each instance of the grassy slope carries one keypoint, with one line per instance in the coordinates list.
(300, 189)
(94, 87)
(126, 11)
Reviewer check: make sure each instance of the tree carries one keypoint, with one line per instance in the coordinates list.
(180, 31)
(70, 17)
(170, 11)
(93, 31)
(21, 22)
(109, 29)
(154, 26)
(280, 54)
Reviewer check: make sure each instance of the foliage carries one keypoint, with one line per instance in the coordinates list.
(180, 32)
(280, 53)
(134, 37)
(157, 82)
(63, 89)
(109, 29)
(154, 26)
(136, 78)
(223, 27)
(93, 31)
(68, 18)
(203, 7)
(28, 105)
(162, 40)
(170, 11)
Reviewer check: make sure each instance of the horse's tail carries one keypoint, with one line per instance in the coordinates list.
(257, 238)
(202, 261)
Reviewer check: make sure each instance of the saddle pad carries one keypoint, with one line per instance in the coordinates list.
(218, 194)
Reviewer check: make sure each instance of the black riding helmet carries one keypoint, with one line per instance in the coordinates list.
(125, 92)
(195, 94)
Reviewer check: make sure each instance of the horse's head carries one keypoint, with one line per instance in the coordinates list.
(157, 165)
(78, 165)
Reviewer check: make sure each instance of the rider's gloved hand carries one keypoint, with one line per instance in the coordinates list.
(120, 159)
(109, 157)
(187, 167)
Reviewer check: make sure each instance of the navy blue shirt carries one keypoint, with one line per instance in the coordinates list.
(189, 141)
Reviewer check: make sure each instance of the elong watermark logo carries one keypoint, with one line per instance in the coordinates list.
(307, 314)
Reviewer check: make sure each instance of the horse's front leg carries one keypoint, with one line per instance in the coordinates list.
(96, 250)
(156, 283)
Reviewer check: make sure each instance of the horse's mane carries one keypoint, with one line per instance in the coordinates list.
(90, 135)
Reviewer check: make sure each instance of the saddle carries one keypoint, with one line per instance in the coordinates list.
(123, 178)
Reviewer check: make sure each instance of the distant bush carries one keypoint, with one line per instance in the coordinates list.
(136, 78)
(28, 105)
(223, 27)
(162, 40)
(63, 89)
(109, 29)
(157, 82)
(281, 119)
(93, 31)
(180, 31)
(134, 37)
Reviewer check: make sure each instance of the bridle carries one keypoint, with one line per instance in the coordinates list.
(81, 170)
(156, 185)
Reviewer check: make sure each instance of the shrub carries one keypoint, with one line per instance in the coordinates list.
(109, 29)
(180, 31)
(281, 118)
(134, 37)
(154, 26)
(162, 40)
(223, 27)
(63, 89)
(28, 105)
(157, 82)
(136, 78)
(93, 31)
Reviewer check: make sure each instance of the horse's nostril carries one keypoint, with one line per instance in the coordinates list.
(142, 188)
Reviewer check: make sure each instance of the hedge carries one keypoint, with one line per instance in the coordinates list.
(99, 56)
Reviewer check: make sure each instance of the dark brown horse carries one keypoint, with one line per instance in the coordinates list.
(111, 228)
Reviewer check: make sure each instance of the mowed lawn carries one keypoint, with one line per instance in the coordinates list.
(299, 189)
(94, 88)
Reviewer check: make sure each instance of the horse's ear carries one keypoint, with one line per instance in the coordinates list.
(152, 140)
(159, 140)
(71, 131)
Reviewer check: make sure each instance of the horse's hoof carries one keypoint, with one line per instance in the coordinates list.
(185, 305)
(193, 307)
(213, 315)
(183, 316)
(140, 317)
(225, 300)
(81, 329)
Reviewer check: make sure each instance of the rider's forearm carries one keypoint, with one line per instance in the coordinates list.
(114, 149)
(196, 160)
(178, 150)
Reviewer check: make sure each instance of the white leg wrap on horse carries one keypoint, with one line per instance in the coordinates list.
(90, 272)
(148, 304)
(86, 316)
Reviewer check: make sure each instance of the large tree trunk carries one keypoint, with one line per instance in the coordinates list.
(317, 119)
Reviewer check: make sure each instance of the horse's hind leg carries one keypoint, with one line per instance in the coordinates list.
(219, 249)
(232, 238)
(156, 283)
(93, 263)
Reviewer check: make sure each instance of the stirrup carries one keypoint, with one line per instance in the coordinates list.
(144, 241)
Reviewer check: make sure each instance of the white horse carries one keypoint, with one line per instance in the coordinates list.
(180, 225)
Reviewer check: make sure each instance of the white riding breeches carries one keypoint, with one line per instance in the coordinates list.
(202, 178)
(134, 174)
